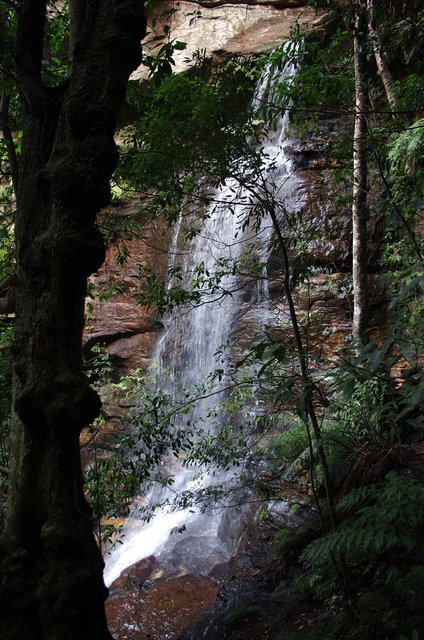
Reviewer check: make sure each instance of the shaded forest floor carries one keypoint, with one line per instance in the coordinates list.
(266, 592)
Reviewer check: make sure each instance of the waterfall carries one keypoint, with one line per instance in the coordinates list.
(186, 353)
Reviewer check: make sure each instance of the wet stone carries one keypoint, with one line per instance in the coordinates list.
(193, 554)
(136, 575)
(164, 611)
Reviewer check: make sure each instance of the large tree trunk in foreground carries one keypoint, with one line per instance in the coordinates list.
(360, 179)
(51, 569)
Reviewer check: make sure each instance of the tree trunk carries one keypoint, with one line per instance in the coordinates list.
(307, 382)
(360, 177)
(51, 568)
(380, 58)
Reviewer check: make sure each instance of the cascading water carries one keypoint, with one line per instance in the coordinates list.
(186, 354)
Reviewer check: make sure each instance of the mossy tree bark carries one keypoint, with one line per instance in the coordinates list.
(51, 584)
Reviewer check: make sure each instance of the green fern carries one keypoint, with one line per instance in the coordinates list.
(408, 146)
(380, 548)
(389, 514)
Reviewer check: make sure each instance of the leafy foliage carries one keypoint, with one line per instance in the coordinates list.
(406, 151)
(322, 82)
(173, 143)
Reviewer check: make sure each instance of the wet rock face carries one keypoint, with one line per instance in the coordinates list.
(163, 611)
(320, 273)
(118, 317)
(326, 214)
(114, 317)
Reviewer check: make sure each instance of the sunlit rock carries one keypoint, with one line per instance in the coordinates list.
(220, 28)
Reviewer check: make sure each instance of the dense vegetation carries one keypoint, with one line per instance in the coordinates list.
(352, 428)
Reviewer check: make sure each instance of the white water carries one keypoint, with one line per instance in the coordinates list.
(186, 354)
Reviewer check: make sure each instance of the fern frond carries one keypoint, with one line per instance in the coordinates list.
(388, 515)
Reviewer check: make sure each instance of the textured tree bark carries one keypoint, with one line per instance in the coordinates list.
(360, 179)
(51, 569)
(380, 58)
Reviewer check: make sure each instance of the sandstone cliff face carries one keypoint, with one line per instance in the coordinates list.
(325, 300)
(219, 28)
(114, 317)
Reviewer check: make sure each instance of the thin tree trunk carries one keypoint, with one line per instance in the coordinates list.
(360, 178)
(306, 381)
(380, 58)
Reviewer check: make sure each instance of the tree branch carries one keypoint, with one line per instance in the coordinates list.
(8, 295)
(29, 49)
(306, 379)
(77, 15)
(380, 58)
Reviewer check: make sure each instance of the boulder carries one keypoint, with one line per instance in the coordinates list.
(162, 612)
(135, 576)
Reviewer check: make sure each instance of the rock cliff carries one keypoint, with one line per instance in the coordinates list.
(228, 28)
(217, 29)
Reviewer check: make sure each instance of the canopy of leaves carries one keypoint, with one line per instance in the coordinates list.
(190, 128)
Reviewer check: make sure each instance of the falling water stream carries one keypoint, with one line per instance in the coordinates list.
(186, 353)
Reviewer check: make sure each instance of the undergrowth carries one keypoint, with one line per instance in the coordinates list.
(366, 577)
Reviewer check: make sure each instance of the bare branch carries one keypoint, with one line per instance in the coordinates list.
(8, 303)
(8, 295)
